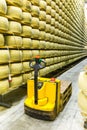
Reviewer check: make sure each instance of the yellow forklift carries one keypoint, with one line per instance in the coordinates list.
(45, 98)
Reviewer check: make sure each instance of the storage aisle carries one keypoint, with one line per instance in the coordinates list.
(69, 119)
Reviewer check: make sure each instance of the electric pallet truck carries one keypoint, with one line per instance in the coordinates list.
(43, 94)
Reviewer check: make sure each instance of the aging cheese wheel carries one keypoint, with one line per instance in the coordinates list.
(35, 2)
(16, 68)
(14, 28)
(26, 76)
(42, 25)
(4, 71)
(42, 15)
(15, 55)
(35, 11)
(27, 54)
(16, 82)
(26, 5)
(48, 10)
(4, 24)
(35, 23)
(14, 41)
(4, 56)
(2, 40)
(14, 13)
(15, 2)
(35, 53)
(42, 5)
(26, 43)
(26, 66)
(35, 44)
(3, 7)
(27, 31)
(35, 33)
(4, 86)
(26, 18)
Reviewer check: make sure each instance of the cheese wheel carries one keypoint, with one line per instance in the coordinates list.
(4, 56)
(42, 35)
(16, 82)
(42, 53)
(26, 5)
(48, 19)
(4, 86)
(3, 7)
(35, 33)
(15, 13)
(35, 2)
(27, 31)
(26, 66)
(42, 45)
(52, 21)
(15, 2)
(26, 18)
(2, 40)
(14, 41)
(14, 28)
(15, 55)
(42, 15)
(53, 12)
(26, 43)
(53, 5)
(42, 25)
(42, 5)
(48, 10)
(35, 11)
(35, 53)
(48, 2)
(27, 54)
(26, 77)
(35, 23)
(16, 68)
(48, 28)
(4, 71)
(4, 24)
(35, 44)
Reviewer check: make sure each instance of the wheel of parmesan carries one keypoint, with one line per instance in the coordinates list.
(26, 6)
(14, 41)
(27, 54)
(35, 53)
(48, 28)
(16, 82)
(26, 18)
(35, 23)
(35, 33)
(42, 53)
(2, 40)
(52, 21)
(15, 2)
(4, 56)
(14, 13)
(42, 35)
(42, 25)
(53, 5)
(48, 2)
(48, 10)
(14, 28)
(35, 2)
(15, 55)
(41, 44)
(42, 15)
(26, 76)
(82, 81)
(35, 44)
(4, 86)
(82, 102)
(3, 7)
(48, 19)
(53, 13)
(4, 71)
(16, 68)
(35, 11)
(42, 5)
(26, 43)
(4, 24)
(26, 66)
(27, 31)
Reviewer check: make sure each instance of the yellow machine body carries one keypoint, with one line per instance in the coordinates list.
(48, 98)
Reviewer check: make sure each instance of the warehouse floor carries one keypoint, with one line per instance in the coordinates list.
(70, 119)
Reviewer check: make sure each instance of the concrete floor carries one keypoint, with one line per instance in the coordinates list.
(70, 119)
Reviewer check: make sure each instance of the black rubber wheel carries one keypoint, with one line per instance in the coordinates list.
(85, 124)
